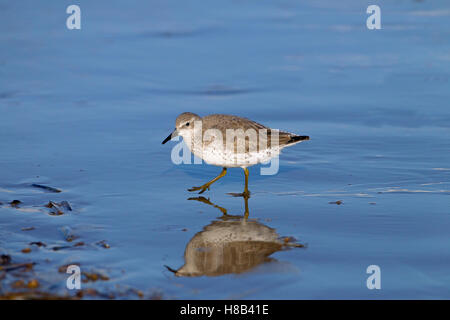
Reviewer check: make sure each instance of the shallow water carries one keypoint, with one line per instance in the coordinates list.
(85, 112)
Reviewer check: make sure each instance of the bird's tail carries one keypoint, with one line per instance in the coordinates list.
(295, 138)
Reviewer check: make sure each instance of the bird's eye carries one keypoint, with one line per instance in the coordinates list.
(187, 124)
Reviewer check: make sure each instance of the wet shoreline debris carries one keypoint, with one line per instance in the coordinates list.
(46, 188)
(15, 203)
(58, 209)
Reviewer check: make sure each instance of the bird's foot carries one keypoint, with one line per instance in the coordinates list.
(202, 189)
(245, 194)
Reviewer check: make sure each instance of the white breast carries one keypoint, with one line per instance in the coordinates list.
(214, 153)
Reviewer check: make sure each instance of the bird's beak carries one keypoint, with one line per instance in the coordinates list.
(171, 270)
(172, 135)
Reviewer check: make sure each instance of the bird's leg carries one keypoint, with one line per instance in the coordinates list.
(206, 185)
(246, 193)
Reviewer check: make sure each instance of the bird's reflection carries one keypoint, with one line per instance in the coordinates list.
(231, 244)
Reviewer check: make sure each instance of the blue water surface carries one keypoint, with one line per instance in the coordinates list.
(85, 111)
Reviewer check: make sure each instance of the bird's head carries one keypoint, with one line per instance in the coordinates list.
(184, 125)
